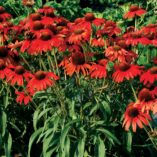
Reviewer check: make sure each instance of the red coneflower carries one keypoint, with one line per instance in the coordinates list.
(146, 99)
(150, 76)
(98, 42)
(110, 28)
(134, 117)
(134, 11)
(99, 70)
(151, 28)
(116, 53)
(29, 37)
(42, 80)
(35, 17)
(7, 55)
(45, 43)
(134, 38)
(4, 70)
(23, 97)
(36, 27)
(4, 15)
(17, 75)
(47, 11)
(79, 34)
(76, 63)
(90, 18)
(126, 71)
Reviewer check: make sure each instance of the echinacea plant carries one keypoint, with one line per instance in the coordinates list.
(83, 82)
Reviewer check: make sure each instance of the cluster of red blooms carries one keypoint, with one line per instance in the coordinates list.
(44, 32)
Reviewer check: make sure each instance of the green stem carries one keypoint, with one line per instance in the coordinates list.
(25, 61)
(55, 59)
(51, 65)
(135, 23)
(133, 90)
(42, 63)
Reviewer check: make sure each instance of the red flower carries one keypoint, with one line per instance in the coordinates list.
(134, 11)
(98, 42)
(42, 80)
(36, 27)
(151, 28)
(150, 76)
(35, 17)
(23, 97)
(125, 71)
(134, 117)
(109, 28)
(17, 75)
(79, 34)
(76, 63)
(4, 15)
(99, 70)
(146, 99)
(47, 11)
(116, 53)
(134, 38)
(45, 43)
(7, 55)
(4, 71)
(89, 17)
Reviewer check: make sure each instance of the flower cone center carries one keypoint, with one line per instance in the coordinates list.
(46, 36)
(134, 8)
(35, 16)
(79, 31)
(153, 70)
(145, 95)
(2, 65)
(89, 17)
(3, 51)
(40, 75)
(38, 25)
(117, 48)
(78, 58)
(2, 10)
(124, 66)
(19, 70)
(133, 112)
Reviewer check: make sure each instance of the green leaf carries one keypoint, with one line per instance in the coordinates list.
(32, 139)
(80, 148)
(72, 113)
(14, 126)
(64, 134)
(6, 102)
(129, 141)
(67, 146)
(106, 107)
(101, 148)
(81, 144)
(3, 123)
(8, 144)
(109, 135)
(35, 118)
(39, 3)
(94, 109)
